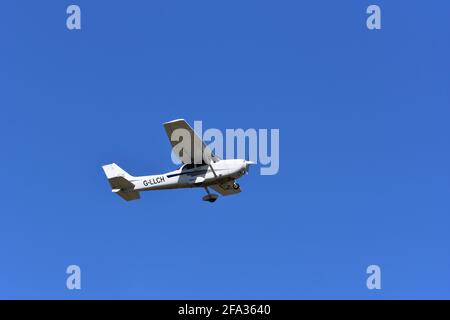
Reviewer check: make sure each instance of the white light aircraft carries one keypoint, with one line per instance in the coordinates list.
(201, 169)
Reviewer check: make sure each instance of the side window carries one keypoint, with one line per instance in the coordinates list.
(188, 166)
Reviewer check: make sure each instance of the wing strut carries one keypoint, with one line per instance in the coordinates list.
(212, 169)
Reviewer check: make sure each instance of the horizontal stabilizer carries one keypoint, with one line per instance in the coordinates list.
(119, 181)
(129, 195)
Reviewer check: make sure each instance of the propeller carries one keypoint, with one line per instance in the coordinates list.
(247, 165)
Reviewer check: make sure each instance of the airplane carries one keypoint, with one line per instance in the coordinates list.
(212, 172)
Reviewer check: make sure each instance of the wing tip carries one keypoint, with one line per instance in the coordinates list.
(175, 121)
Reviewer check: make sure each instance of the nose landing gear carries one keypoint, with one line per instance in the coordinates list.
(236, 186)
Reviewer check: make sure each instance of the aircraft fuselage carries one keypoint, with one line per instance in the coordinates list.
(189, 176)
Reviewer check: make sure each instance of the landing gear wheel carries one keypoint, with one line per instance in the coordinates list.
(210, 197)
(236, 186)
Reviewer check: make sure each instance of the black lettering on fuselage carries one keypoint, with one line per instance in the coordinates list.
(153, 181)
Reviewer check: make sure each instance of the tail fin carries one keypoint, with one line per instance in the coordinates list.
(120, 182)
(113, 170)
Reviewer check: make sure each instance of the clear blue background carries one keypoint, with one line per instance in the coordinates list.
(364, 163)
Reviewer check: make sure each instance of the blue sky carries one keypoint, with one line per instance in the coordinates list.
(364, 149)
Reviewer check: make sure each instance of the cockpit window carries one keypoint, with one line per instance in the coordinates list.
(190, 166)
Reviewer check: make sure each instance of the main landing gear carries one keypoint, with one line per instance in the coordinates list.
(211, 197)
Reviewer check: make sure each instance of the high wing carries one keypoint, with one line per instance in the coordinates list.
(226, 188)
(196, 151)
